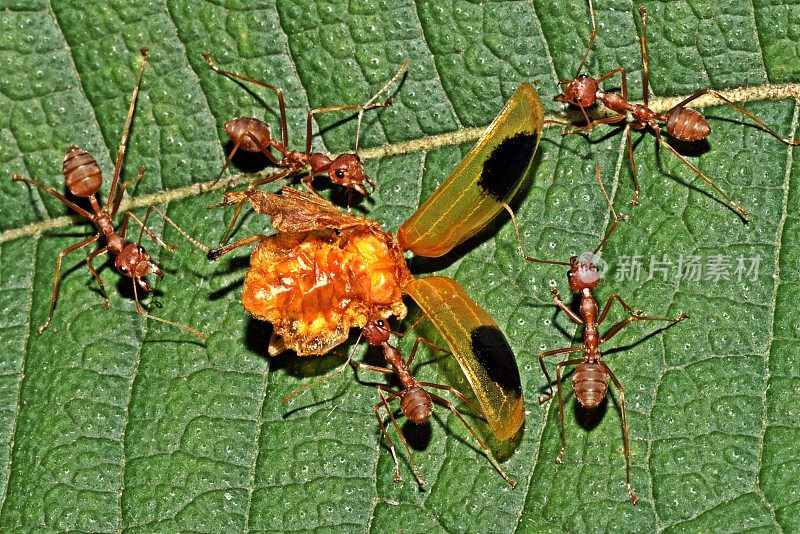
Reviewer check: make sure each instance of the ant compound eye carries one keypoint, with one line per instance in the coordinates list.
(123, 269)
(339, 173)
(381, 323)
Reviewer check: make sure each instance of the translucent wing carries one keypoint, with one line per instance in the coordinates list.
(487, 177)
(479, 347)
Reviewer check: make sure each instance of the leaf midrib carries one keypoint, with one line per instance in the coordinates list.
(739, 95)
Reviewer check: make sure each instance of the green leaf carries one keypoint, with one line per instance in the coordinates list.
(111, 422)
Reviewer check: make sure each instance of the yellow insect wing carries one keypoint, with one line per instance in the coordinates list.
(479, 347)
(487, 177)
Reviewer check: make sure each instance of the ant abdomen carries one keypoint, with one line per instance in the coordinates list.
(251, 134)
(416, 404)
(686, 124)
(590, 384)
(82, 174)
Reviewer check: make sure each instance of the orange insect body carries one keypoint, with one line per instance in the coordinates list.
(322, 274)
(315, 286)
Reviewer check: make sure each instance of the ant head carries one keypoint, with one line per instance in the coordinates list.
(346, 170)
(133, 261)
(376, 331)
(82, 174)
(580, 92)
(582, 274)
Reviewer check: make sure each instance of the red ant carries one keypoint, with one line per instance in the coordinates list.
(253, 135)
(680, 122)
(416, 402)
(590, 378)
(83, 178)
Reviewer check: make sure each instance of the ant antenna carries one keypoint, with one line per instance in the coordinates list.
(610, 208)
(530, 259)
(112, 191)
(371, 102)
(591, 40)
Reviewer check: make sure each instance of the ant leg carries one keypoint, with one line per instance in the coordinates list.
(412, 327)
(276, 90)
(273, 178)
(607, 307)
(547, 354)
(660, 140)
(374, 368)
(143, 224)
(369, 104)
(632, 316)
(637, 314)
(591, 123)
(123, 187)
(623, 80)
(559, 366)
(725, 100)
(417, 474)
(123, 142)
(180, 230)
(376, 409)
(88, 241)
(626, 448)
(240, 203)
(92, 270)
(563, 307)
(141, 311)
(154, 237)
(371, 182)
(350, 107)
(450, 406)
(430, 344)
(232, 224)
(463, 398)
(614, 330)
(307, 183)
(147, 230)
(215, 253)
(525, 256)
(74, 207)
(265, 150)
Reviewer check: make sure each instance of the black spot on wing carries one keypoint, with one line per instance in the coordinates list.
(505, 167)
(495, 356)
